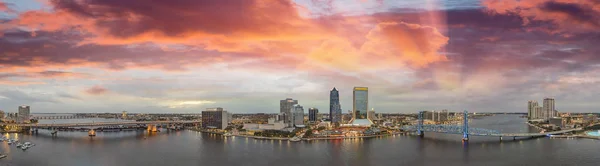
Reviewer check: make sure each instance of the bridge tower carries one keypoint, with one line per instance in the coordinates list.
(420, 124)
(465, 126)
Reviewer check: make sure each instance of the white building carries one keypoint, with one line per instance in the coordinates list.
(273, 124)
(298, 117)
(531, 113)
(23, 114)
(539, 112)
(549, 108)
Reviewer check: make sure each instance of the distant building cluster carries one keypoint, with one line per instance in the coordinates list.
(21, 116)
(544, 112)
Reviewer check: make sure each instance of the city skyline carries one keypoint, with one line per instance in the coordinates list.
(483, 56)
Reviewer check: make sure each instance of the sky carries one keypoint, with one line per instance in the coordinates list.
(183, 56)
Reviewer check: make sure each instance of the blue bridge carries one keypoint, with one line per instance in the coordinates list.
(465, 131)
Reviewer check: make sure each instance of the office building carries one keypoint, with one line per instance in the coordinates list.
(285, 106)
(531, 113)
(549, 108)
(23, 115)
(1, 114)
(124, 115)
(298, 117)
(443, 115)
(371, 115)
(335, 110)
(215, 118)
(360, 105)
(313, 114)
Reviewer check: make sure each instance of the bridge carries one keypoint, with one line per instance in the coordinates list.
(152, 125)
(464, 129)
(98, 123)
(62, 117)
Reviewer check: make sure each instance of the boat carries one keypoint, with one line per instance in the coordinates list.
(2, 156)
(27, 144)
(24, 147)
(227, 134)
(295, 139)
(19, 145)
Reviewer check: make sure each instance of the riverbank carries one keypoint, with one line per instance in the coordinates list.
(537, 127)
(303, 139)
(575, 136)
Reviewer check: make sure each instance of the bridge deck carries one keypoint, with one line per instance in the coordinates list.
(454, 129)
(100, 123)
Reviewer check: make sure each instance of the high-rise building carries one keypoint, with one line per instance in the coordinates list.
(1, 114)
(298, 117)
(215, 118)
(548, 108)
(23, 115)
(443, 115)
(531, 113)
(313, 114)
(371, 115)
(285, 106)
(360, 105)
(539, 112)
(124, 115)
(335, 110)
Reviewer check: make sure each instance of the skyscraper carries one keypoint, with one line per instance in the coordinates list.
(538, 112)
(313, 114)
(548, 108)
(360, 105)
(23, 114)
(298, 118)
(335, 110)
(531, 114)
(285, 106)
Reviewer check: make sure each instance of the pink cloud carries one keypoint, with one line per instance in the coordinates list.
(96, 90)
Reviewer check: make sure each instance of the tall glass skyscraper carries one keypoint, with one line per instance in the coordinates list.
(335, 110)
(360, 105)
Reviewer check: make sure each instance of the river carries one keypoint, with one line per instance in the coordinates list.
(192, 148)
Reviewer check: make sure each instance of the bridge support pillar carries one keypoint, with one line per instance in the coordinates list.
(465, 126)
(500, 138)
(514, 138)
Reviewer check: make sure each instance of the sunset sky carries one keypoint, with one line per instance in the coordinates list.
(182, 56)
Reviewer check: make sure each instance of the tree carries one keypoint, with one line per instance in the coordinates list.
(308, 133)
(321, 128)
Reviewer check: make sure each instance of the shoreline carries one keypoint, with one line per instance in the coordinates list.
(302, 139)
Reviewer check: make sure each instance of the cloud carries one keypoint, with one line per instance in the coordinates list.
(569, 15)
(112, 22)
(4, 7)
(187, 104)
(96, 90)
